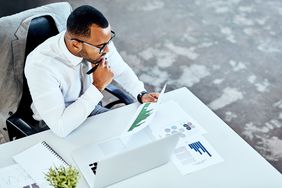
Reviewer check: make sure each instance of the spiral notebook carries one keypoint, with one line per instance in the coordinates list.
(37, 160)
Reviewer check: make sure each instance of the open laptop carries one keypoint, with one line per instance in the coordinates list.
(101, 168)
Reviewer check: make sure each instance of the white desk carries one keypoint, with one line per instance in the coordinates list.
(242, 166)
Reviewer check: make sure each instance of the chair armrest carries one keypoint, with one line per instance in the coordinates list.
(121, 95)
(18, 128)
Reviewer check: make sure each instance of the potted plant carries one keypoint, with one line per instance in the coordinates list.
(62, 177)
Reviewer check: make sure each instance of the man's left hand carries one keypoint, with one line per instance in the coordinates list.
(150, 97)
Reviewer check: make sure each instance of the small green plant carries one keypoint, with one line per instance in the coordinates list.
(62, 177)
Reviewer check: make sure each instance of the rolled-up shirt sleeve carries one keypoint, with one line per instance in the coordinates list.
(49, 101)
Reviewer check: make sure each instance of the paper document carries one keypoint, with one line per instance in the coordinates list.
(144, 115)
(193, 152)
(171, 118)
(15, 177)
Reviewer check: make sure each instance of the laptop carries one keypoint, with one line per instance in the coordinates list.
(101, 168)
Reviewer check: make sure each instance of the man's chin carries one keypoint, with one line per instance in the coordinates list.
(98, 60)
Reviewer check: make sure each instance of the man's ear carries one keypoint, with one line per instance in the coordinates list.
(77, 46)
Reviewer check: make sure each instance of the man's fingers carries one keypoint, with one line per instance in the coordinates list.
(105, 64)
(155, 95)
(102, 62)
(152, 97)
(149, 98)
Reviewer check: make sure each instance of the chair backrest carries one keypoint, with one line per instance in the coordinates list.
(40, 29)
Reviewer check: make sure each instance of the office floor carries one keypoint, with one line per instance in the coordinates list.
(227, 52)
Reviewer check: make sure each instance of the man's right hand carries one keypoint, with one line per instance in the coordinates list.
(102, 76)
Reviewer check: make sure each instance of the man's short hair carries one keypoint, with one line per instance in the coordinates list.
(80, 20)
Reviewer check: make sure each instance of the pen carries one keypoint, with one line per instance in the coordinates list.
(95, 67)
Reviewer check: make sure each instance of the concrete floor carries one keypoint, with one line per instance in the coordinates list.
(227, 52)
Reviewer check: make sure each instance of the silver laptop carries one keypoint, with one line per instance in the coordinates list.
(101, 168)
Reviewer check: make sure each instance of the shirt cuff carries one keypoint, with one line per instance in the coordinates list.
(136, 92)
(92, 95)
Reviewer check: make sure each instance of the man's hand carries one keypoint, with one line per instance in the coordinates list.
(150, 97)
(102, 76)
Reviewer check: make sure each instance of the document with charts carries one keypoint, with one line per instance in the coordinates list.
(143, 116)
(193, 152)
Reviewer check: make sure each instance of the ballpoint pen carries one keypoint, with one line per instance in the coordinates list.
(95, 67)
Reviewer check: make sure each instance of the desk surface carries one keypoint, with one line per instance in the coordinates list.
(242, 166)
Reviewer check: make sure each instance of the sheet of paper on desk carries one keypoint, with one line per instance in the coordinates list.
(143, 116)
(171, 118)
(194, 154)
(15, 177)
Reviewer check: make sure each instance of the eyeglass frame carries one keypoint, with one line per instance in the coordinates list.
(101, 50)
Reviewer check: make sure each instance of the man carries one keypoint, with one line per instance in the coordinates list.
(63, 94)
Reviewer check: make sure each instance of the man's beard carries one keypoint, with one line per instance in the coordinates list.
(84, 55)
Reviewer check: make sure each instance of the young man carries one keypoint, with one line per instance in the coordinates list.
(63, 94)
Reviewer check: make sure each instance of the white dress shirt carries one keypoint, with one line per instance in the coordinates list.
(54, 80)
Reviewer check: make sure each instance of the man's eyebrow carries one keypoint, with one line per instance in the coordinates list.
(101, 45)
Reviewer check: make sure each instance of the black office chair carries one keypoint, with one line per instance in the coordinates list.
(21, 123)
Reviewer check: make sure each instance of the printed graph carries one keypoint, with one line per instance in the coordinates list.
(183, 128)
(145, 112)
(198, 147)
(34, 185)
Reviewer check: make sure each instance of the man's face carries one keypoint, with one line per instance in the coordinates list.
(91, 47)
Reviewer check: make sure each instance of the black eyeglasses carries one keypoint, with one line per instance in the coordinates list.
(100, 49)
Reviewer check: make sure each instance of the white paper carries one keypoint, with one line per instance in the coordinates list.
(160, 99)
(171, 119)
(143, 116)
(15, 177)
(194, 154)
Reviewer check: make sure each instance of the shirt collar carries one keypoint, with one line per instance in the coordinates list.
(72, 59)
